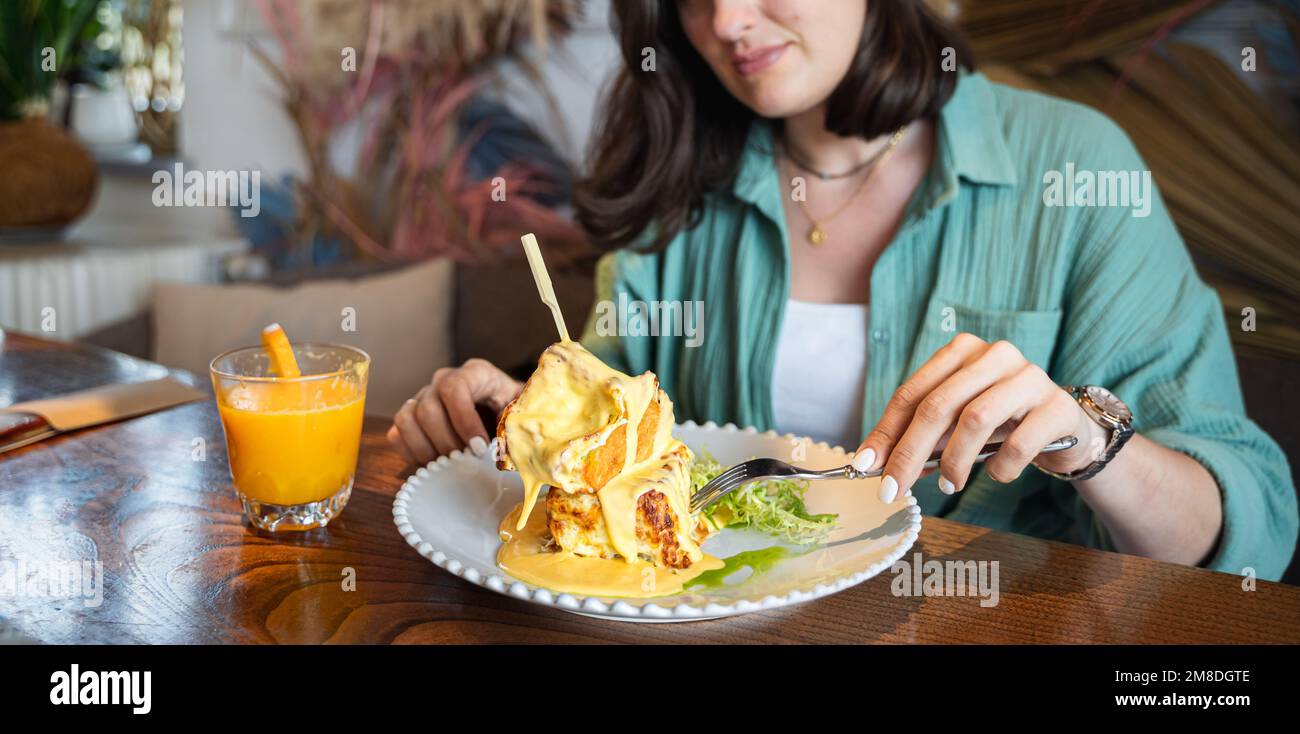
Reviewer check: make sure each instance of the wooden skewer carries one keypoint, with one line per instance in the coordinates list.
(543, 279)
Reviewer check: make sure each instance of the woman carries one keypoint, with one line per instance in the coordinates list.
(871, 228)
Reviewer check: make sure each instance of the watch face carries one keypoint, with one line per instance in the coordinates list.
(1110, 404)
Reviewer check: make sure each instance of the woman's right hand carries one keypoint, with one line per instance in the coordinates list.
(442, 416)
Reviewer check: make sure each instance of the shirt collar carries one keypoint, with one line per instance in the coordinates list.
(756, 181)
(970, 146)
(974, 146)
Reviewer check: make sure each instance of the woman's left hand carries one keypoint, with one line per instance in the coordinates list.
(970, 393)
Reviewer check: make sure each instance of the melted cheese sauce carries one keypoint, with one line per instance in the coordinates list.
(569, 408)
(669, 474)
(523, 554)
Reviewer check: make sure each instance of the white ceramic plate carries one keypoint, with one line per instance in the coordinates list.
(449, 512)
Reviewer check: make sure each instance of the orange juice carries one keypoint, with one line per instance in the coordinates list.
(292, 434)
(292, 443)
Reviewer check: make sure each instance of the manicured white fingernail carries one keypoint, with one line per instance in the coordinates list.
(477, 445)
(946, 486)
(888, 489)
(864, 460)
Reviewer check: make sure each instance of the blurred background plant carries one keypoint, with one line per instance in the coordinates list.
(49, 177)
(38, 43)
(83, 84)
(441, 170)
(137, 44)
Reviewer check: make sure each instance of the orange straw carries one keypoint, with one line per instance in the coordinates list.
(276, 343)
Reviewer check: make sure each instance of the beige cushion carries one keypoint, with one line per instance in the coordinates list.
(403, 320)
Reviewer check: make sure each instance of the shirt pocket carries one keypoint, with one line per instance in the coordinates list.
(1032, 332)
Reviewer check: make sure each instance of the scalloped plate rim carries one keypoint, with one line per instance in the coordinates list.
(649, 612)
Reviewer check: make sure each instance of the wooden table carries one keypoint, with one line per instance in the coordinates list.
(181, 566)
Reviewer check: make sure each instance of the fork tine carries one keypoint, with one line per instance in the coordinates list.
(720, 485)
(728, 474)
(721, 479)
(716, 489)
(722, 491)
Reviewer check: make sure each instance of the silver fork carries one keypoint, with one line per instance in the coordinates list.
(756, 470)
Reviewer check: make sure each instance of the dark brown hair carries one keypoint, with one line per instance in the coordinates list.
(672, 135)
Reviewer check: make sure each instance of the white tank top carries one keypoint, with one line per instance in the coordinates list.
(820, 372)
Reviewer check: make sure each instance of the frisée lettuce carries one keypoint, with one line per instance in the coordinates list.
(774, 506)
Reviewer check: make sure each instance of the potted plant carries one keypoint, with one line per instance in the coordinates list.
(49, 177)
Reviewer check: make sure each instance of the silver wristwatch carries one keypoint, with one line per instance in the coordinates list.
(1102, 406)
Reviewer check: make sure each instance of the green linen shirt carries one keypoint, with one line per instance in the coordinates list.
(1093, 294)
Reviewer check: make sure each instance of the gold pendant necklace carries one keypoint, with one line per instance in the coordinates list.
(816, 233)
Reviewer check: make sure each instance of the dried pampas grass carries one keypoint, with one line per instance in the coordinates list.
(439, 32)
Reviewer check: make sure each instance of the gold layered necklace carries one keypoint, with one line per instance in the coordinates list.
(817, 232)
